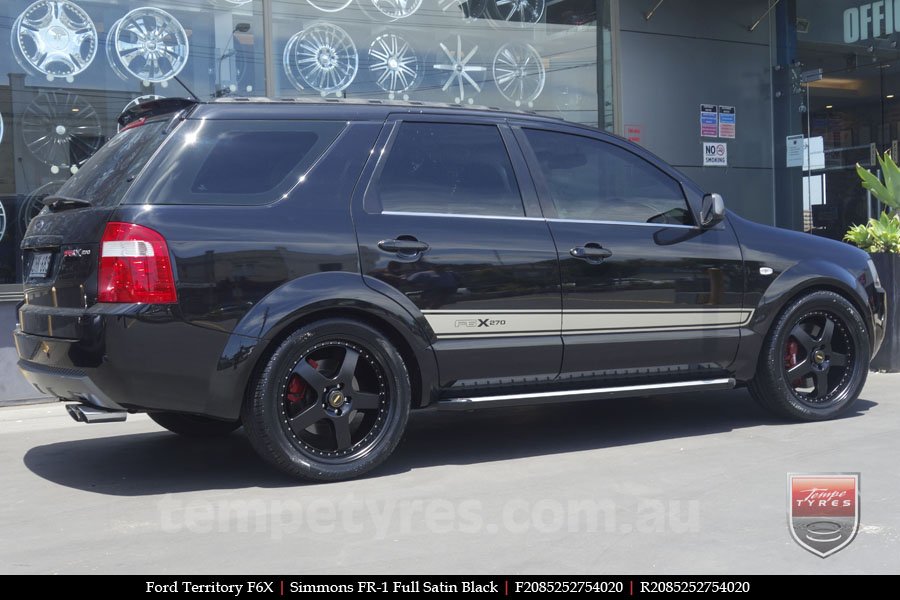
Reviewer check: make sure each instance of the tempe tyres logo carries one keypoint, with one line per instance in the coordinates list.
(823, 510)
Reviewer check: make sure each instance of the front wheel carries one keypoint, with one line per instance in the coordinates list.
(332, 402)
(815, 359)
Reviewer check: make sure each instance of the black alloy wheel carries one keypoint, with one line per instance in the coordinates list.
(815, 359)
(332, 402)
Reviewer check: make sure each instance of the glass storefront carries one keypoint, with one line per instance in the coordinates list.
(849, 105)
(71, 67)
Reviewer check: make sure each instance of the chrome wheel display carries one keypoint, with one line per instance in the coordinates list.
(61, 129)
(1, 127)
(2, 221)
(396, 9)
(330, 6)
(149, 44)
(462, 72)
(33, 204)
(519, 73)
(469, 10)
(525, 12)
(323, 57)
(54, 38)
(394, 63)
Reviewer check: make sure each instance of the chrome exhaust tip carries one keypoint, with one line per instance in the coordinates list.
(83, 413)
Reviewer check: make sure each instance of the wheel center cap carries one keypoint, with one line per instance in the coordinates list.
(818, 357)
(336, 399)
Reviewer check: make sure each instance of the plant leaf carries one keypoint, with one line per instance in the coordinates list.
(873, 184)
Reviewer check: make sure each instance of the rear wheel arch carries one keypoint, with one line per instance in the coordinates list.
(422, 392)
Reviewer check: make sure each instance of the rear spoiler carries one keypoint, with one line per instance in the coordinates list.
(154, 108)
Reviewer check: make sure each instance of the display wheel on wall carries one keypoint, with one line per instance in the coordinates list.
(391, 9)
(468, 10)
(330, 6)
(56, 39)
(61, 129)
(33, 204)
(2, 221)
(456, 59)
(394, 64)
(519, 73)
(322, 57)
(148, 44)
(524, 12)
(1, 128)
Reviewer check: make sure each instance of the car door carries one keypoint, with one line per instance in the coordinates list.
(646, 292)
(450, 220)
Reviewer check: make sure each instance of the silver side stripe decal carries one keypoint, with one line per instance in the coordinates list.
(449, 324)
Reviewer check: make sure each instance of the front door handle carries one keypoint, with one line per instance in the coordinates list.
(591, 252)
(403, 246)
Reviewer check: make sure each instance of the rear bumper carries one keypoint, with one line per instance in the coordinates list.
(140, 358)
(66, 384)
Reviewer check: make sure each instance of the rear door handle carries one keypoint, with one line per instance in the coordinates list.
(591, 252)
(406, 247)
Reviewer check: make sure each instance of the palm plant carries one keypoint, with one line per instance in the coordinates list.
(881, 234)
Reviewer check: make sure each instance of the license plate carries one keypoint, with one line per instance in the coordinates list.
(40, 265)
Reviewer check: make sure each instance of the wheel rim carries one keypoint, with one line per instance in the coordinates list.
(394, 62)
(335, 401)
(57, 126)
(819, 359)
(457, 60)
(519, 73)
(55, 38)
(323, 57)
(150, 44)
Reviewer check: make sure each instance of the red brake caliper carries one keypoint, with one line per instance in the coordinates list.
(297, 387)
(791, 360)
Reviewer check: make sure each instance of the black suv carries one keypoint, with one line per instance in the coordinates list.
(314, 270)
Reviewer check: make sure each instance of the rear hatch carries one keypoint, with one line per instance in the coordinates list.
(61, 246)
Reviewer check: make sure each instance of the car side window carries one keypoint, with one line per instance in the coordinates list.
(597, 181)
(449, 168)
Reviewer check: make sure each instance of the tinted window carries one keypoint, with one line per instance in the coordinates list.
(235, 162)
(594, 180)
(105, 178)
(451, 169)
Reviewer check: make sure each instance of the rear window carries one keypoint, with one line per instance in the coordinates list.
(235, 162)
(107, 175)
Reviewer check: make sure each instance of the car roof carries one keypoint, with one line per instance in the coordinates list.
(351, 108)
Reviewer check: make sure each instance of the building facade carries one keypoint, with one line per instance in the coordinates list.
(725, 91)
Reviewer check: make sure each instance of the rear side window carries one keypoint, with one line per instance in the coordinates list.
(107, 175)
(449, 168)
(235, 162)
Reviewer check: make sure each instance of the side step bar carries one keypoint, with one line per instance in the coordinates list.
(588, 394)
(82, 413)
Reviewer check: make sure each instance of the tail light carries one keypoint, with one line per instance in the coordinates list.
(135, 266)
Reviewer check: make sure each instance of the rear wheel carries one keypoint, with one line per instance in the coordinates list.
(332, 402)
(815, 359)
(193, 425)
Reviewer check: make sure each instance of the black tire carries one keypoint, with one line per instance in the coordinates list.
(193, 425)
(331, 403)
(815, 359)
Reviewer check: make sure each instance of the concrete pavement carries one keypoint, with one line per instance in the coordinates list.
(694, 483)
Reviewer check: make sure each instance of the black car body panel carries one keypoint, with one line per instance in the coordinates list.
(488, 302)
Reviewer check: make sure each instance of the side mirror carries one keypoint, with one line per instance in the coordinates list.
(712, 210)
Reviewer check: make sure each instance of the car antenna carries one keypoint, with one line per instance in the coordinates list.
(176, 78)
